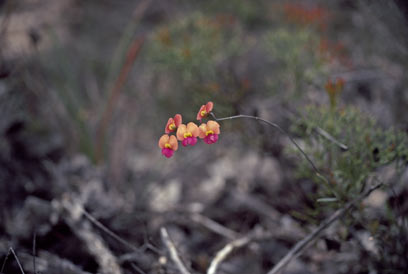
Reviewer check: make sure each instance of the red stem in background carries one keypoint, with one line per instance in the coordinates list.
(131, 56)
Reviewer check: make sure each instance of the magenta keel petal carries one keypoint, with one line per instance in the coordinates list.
(193, 141)
(167, 152)
(211, 139)
(189, 141)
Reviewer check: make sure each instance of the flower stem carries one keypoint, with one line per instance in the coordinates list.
(277, 127)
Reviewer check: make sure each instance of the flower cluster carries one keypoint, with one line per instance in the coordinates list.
(188, 134)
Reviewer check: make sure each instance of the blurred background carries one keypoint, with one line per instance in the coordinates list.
(86, 89)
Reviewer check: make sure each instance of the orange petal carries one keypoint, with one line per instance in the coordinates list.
(163, 140)
(173, 142)
(169, 122)
(193, 129)
(180, 132)
(178, 119)
(209, 106)
(203, 130)
(199, 117)
(214, 126)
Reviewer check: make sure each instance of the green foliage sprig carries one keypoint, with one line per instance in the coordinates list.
(369, 147)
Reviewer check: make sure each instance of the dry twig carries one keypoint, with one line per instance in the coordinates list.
(214, 226)
(173, 251)
(255, 235)
(225, 251)
(108, 231)
(329, 137)
(11, 251)
(295, 115)
(301, 246)
(94, 243)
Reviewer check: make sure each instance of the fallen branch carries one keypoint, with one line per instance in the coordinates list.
(256, 235)
(214, 226)
(300, 246)
(173, 251)
(225, 251)
(108, 231)
(72, 212)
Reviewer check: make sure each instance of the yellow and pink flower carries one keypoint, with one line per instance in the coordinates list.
(168, 144)
(209, 132)
(188, 134)
(173, 123)
(205, 110)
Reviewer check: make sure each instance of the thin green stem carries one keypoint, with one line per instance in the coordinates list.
(277, 127)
